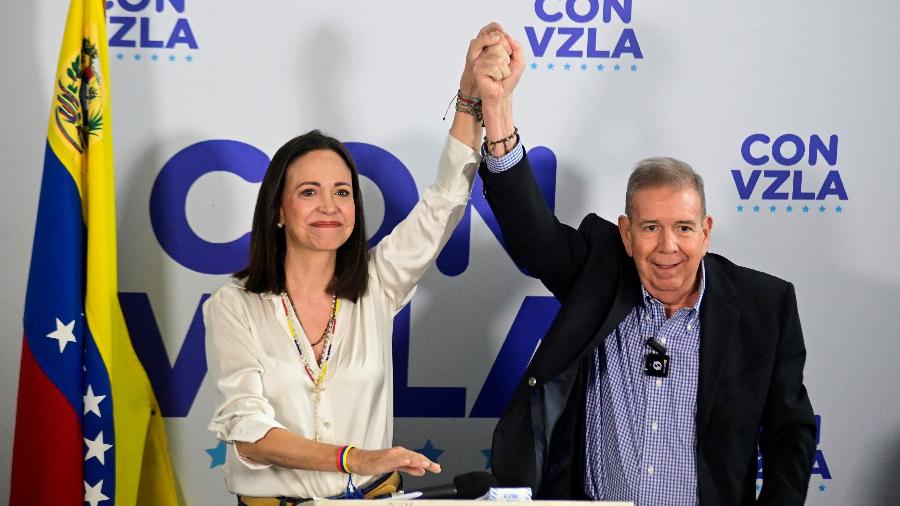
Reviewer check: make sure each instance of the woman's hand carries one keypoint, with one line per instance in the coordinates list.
(375, 462)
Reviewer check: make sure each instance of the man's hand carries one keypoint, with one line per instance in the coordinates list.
(489, 36)
(497, 74)
(497, 71)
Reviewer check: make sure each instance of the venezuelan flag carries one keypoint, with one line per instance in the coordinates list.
(88, 427)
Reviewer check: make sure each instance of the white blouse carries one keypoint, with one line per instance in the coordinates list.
(258, 371)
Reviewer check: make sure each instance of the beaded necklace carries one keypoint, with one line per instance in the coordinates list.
(328, 336)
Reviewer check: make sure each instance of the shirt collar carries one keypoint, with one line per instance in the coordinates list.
(649, 299)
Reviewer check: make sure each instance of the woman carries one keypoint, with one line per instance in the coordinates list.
(300, 342)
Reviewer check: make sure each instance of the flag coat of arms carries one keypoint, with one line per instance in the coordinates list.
(88, 426)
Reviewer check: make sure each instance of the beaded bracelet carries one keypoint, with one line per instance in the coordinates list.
(506, 150)
(342, 453)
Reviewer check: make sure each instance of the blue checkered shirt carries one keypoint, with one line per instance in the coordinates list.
(641, 430)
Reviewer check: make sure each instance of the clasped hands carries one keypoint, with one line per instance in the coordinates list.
(494, 65)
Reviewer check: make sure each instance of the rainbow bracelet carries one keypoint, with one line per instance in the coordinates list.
(342, 458)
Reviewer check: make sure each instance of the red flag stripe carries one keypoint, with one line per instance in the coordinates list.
(36, 432)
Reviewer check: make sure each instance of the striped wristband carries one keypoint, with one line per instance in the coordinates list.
(342, 458)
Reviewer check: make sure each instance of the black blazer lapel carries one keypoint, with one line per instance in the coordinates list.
(718, 326)
(568, 345)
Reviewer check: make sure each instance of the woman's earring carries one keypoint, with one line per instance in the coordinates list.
(280, 225)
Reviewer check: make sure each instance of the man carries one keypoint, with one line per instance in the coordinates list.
(666, 367)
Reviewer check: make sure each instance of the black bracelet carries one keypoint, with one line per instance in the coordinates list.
(506, 149)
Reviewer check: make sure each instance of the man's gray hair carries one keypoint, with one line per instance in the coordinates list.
(663, 171)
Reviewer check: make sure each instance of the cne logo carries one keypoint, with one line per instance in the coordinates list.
(151, 27)
(594, 31)
(790, 174)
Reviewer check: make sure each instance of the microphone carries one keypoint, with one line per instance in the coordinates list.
(465, 486)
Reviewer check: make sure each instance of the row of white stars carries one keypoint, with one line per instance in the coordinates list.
(96, 448)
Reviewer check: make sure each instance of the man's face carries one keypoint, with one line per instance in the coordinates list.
(667, 235)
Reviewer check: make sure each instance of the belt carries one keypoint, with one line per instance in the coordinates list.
(387, 484)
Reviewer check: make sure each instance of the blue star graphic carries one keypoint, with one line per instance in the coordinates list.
(839, 209)
(567, 66)
(189, 58)
(217, 455)
(805, 209)
(755, 209)
(821, 209)
(154, 57)
(617, 67)
(171, 57)
(487, 456)
(634, 67)
(549, 66)
(740, 208)
(430, 451)
(789, 208)
(772, 209)
(533, 66)
(137, 57)
(822, 487)
(584, 66)
(600, 67)
(120, 56)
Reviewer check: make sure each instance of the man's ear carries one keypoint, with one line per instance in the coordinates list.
(625, 232)
(707, 232)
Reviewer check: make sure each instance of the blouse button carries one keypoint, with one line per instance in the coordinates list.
(532, 381)
(327, 425)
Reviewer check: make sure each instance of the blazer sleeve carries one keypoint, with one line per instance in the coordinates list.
(534, 238)
(787, 441)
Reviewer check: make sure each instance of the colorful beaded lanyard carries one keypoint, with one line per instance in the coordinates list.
(317, 381)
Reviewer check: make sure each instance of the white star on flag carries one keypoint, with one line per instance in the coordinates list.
(96, 448)
(63, 334)
(92, 402)
(94, 494)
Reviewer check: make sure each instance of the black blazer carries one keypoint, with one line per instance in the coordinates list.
(750, 390)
